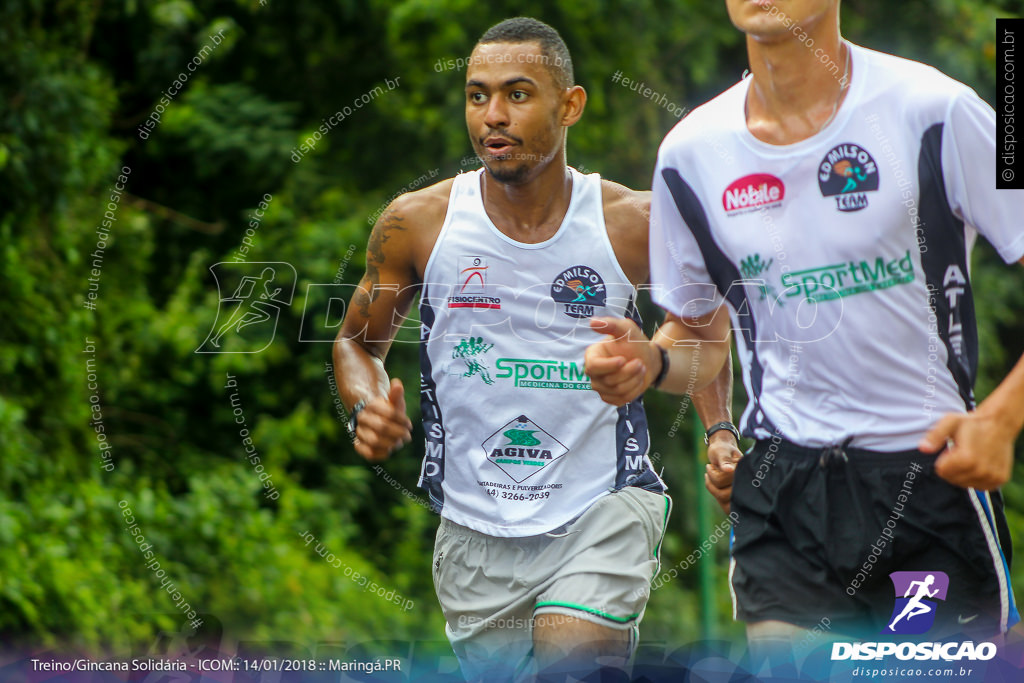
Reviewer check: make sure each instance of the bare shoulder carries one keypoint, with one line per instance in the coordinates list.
(627, 214)
(426, 204)
(622, 204)
(410, 224)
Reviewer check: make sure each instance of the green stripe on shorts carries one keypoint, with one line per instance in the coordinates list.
(620, 620)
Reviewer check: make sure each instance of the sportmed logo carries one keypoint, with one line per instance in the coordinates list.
(534, 373)
(848, 278)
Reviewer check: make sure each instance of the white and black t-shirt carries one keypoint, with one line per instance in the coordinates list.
(844, 258)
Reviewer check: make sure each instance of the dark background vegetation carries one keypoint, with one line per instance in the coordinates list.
(77, 78)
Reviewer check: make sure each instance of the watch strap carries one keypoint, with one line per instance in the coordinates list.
(353, 418)
(719, 426)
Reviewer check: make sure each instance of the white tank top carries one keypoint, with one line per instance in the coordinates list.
(517, 443)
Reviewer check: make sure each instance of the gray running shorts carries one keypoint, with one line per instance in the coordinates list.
(597, 567)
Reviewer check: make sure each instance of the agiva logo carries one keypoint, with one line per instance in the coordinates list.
(917, 598)
(580, 289)
(848, 172)
(755, 191)
(521, 448)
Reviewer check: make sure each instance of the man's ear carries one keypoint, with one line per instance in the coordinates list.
(575, 102)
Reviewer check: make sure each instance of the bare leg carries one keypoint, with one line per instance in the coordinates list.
(564, 644)
(771, 643)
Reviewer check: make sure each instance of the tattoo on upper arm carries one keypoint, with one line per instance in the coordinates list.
(370, 288)
(375, 257)
(362, 300)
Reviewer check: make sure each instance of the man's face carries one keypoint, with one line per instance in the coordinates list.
(771, 20)
(513, 109)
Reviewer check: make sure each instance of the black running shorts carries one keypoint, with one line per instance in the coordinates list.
(818, 532)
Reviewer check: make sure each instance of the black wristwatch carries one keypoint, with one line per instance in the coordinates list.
(719, 426)
(353, 418)
(663, 373)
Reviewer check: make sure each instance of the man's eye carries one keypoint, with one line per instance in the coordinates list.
(518, 96)
(477, 97)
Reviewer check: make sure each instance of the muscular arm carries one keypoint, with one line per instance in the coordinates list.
(383, 296)
(395, 256)
(697, 348)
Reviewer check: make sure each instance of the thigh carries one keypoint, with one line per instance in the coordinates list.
(487, 609)
(779, 569)
(955, 532)
(606, 559)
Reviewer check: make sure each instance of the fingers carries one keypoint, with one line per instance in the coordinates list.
(721, 469)
(616, 328)
(960, 468)
(723, 454)
(721, 494)
(370, 454)
(978, 453)
(615, 364)
(383, 425)
(619, 387)
(722, 479)
(952, 467)
(940, 433)
(396, 396)
(597, 366)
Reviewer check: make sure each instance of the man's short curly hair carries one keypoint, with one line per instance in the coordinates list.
(528, 30)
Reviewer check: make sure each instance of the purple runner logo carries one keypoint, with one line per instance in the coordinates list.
(916, 596)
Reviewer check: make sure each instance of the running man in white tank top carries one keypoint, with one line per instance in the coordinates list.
(552, 514)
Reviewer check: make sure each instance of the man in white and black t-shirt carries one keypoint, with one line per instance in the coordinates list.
(829, 203)
(552, 514)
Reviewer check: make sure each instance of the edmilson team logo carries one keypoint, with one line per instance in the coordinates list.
(753, 192)
(521, 448)
(580, 290)
(917, 596)
(848, 172)
(471, 285)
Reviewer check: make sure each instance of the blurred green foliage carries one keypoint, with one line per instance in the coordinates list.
(79, 78)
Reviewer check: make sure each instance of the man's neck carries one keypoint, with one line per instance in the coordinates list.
(796, 90)
(529, 212)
